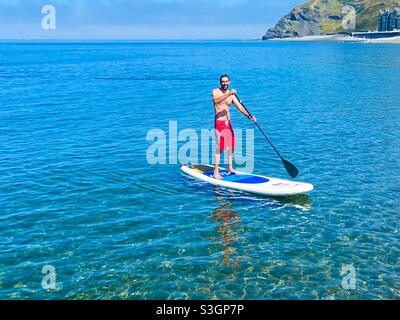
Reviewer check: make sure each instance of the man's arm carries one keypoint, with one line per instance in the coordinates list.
(242, 109)
(218, 99)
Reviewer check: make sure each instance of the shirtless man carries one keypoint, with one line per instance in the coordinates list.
(223, 98)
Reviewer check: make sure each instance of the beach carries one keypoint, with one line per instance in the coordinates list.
(337, 38)
(384, 40)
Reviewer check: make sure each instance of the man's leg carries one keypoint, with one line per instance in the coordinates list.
(217, 158)
(217, 155)
(231, 146)
(230, 162)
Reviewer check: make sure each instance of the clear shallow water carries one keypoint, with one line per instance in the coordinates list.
(77, 193)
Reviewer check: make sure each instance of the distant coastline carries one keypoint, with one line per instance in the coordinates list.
(337, 38)
(339, 20)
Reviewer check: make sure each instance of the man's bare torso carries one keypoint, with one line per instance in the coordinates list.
(222, 109)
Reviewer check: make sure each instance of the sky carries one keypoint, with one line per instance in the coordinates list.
(142, 19)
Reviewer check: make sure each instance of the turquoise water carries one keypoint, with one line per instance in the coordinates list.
(77, 193)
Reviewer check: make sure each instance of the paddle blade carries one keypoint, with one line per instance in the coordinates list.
(290, 168)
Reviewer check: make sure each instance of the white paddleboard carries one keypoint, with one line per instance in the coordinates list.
(248, 182)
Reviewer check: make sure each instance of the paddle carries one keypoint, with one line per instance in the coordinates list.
(290, 168)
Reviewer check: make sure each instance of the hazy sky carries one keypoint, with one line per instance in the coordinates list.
(143, 19)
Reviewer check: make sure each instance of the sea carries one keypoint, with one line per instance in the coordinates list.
(93, 204)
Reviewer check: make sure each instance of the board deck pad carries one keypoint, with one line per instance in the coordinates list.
(247, 182)
(238, 178)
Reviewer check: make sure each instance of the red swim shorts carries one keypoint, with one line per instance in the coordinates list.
(225, 135)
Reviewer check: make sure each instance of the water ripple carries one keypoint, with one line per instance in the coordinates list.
(77, 193)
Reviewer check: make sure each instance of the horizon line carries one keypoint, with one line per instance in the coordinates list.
(172, 39)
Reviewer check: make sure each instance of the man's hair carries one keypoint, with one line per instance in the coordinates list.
(224, 76)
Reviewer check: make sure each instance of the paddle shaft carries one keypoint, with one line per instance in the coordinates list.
(259, 128)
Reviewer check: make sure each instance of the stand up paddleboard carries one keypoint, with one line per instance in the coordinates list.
(248, 182)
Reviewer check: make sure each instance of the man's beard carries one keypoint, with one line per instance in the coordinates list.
(225, 88)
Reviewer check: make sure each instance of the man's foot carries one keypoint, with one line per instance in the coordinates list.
(217, 175)
(232, 171)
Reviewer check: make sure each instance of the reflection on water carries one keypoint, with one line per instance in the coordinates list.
(228, 229)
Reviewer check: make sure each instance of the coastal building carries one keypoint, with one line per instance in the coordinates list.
(398, 23)
(389, 20)
(383, 19)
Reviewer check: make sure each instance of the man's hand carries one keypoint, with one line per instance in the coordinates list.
(217, 98)
(254, 119)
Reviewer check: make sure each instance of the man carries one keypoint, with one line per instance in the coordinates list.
(223, 98)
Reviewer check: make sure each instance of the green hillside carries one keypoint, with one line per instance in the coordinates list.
(320, 17)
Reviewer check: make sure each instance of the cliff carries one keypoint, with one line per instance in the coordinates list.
(322, 17)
